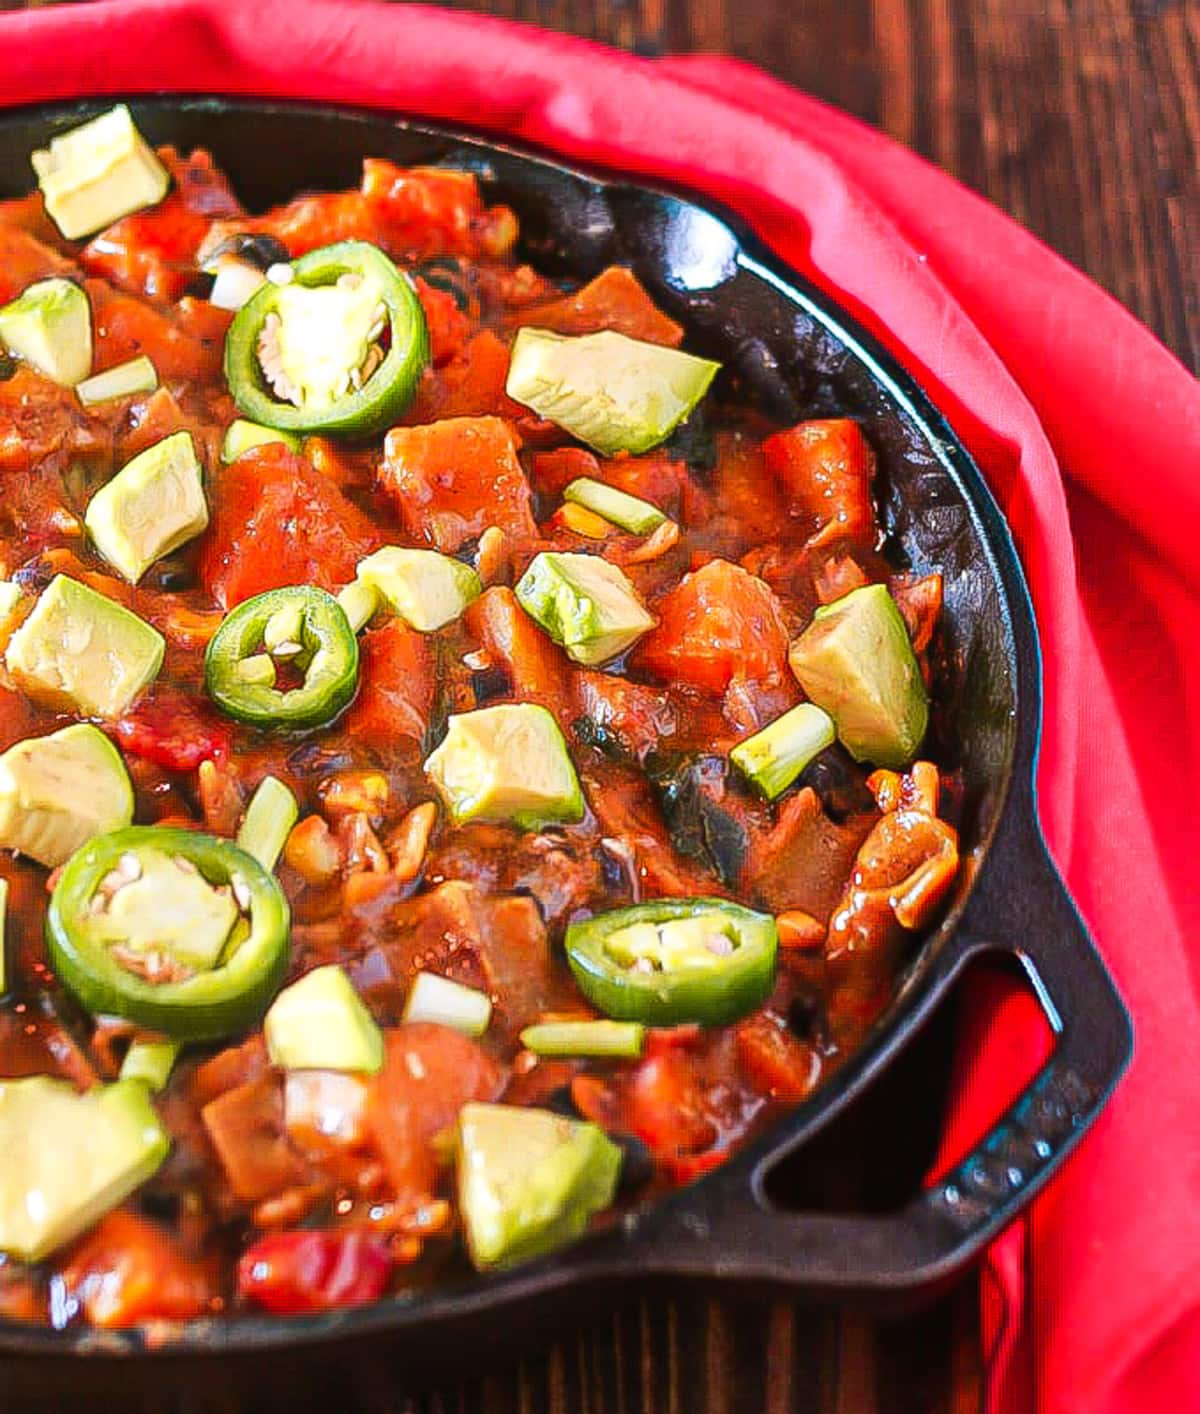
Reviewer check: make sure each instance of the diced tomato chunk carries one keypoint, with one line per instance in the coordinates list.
(246, 1126)
(825, 468)
(434, 211)
(470, 385)
(37, 419)
(234, 1066)
(536, 666)
(153, 252)
(717, 624)
(654, 478)
(124, 326)
(554, 470)
(156, 415)
(454, 478)
(276, 521)
(779, 1064)
(314, 221)
(396, 685)
(919, 599)
(803, 859)
(615, 299)
(169, 728)
(640, 716)
(429, 1073)
(449, 328)
(665, 1106)
(129, 1269)
(25, 259)
(289, 1273)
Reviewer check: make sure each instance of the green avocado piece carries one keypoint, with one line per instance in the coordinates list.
(153, 505)
(856, 662)
(59, 791)
(584, 603)
(615, 393)
(529, 1181)
(506, 763)
(70, 1158)
(124, 380)
(94, 174)
(425, 589)
(50, 327)
(166, 904)
(78, 651)
(242, 435)
(320, 1023)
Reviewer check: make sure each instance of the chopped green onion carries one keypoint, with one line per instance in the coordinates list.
(150, 1061)
(434, 998)
(584, 1038)
(3, 936)
(359, 601)
(138, 375)
(629, 512)
(242, 436)
(772, 758)
(268, 821)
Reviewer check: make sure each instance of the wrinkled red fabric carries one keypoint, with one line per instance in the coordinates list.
(1089, 433)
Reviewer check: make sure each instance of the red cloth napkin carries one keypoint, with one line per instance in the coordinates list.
(1089, 432)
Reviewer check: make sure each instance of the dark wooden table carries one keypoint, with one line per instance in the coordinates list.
(1082, 119)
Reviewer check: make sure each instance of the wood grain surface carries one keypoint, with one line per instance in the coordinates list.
(1082, 119)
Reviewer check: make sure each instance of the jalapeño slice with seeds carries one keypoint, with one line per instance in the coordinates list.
(300, 634)
(338, 347)
(675, 960)
(180, 932)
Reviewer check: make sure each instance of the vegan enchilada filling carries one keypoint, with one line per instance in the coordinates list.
(463, 770)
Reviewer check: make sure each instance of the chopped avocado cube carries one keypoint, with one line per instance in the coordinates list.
(153, 505)
(241, 436)
(856, 662)
(425, 589)
(320, 1023)
(629, 512)
(136, 375)
(615, 393)
(449, 1003)
(80, 652)
(94, 174)
(50, 327)
(584, 603)
(529, 1180)
(163, 903)
(772, 758)
(59, 791)
(506, 763)
(70, 1158)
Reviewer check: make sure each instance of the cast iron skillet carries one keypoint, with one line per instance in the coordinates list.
(799, 355)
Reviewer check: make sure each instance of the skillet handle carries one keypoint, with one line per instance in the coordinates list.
(737, 1234)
